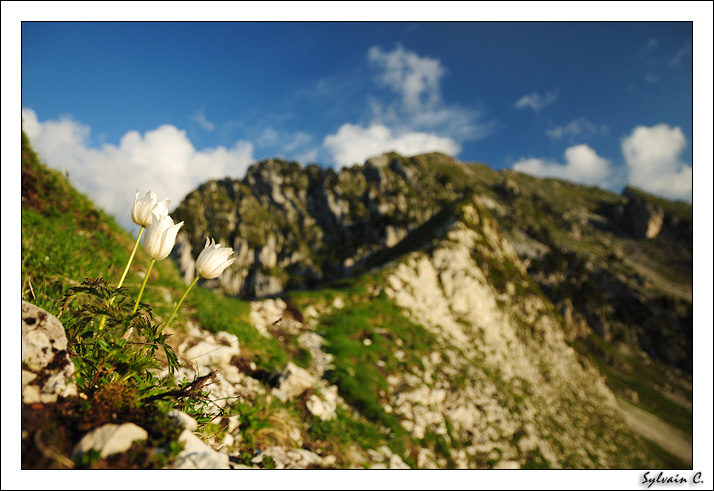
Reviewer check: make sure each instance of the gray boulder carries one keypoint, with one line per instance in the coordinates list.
(46, 367)
(110, 439)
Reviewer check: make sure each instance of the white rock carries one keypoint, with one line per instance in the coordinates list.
(44, 342)
(310, 312)
(323, 409)
(507, 464)
(228, 338)
(292, 382)
(110, 439)
(31, 394)
(183, 419)
(27, 377)
(396, 462)
(232, 422)
(228, 441)
(231, 374)
(290, 458)
(42, 336)
(197, 455)
(207, 353)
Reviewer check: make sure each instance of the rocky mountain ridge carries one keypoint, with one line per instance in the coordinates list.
(293, 227)
(614, 264)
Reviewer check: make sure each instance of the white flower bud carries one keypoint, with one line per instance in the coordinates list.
(213, 260)
(160, 236)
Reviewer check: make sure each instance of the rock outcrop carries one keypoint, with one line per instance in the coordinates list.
(641, 217)
(510, 354)
(292, 226)
(46, 367)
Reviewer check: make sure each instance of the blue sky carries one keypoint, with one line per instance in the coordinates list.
(178, 103)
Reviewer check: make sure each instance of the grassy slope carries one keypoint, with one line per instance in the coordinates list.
(65, 238)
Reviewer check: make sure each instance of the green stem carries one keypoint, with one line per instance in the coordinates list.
(151, 264)
(123, 276)
(180, 302)
(131, 258)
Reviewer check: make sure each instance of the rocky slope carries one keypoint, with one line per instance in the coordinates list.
(570, 274)
(412, 313)
(615, 266)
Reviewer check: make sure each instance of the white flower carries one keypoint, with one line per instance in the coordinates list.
(160, 236)
(213, 260)
(143, 208)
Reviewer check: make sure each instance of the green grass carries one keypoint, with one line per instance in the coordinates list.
(624, 374)
(218, 313)
(338, 435)
(360, 370)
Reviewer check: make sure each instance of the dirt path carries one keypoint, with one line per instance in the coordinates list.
(651, 427)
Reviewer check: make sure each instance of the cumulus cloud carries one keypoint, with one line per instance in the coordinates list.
(582, 165)
(414, 77)
(537, 101)
(417, 121)
(162, 159)
(353, 144)
(652, 157)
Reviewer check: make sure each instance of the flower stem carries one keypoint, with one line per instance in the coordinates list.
(131, 258)
(151, 264)
(180, 302)
(123, 276)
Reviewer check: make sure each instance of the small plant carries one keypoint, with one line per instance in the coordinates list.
(119, 346)
(106, 355)
(122, 345)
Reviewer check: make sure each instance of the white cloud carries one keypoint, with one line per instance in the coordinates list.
(268, 137)
(413, 77)
(285, 143)
(296, 141)
(537, 101)
(577, 128)
(582, 165)
(420, 108)
(200, 118)
(652, 156)
(353, 144)
(162, 159)
(417, 121)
